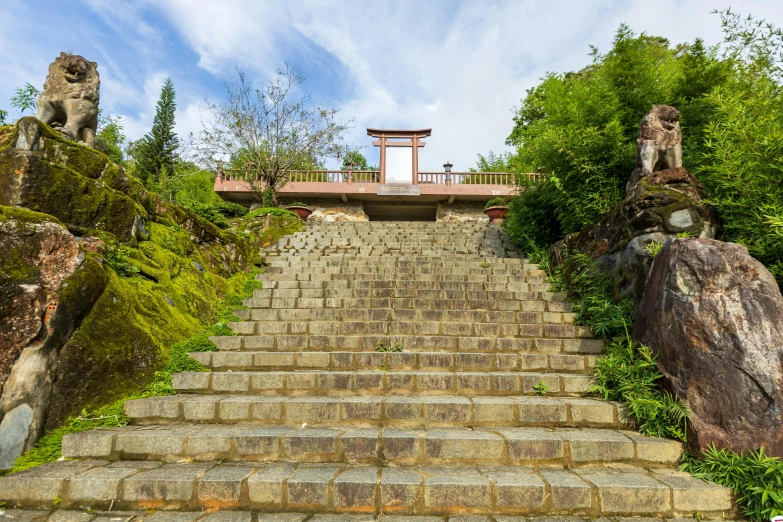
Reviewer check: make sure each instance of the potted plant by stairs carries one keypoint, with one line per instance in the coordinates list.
(496, 210)
(300, 209)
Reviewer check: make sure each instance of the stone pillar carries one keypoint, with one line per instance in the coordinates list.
(415, 159)
(383, 160)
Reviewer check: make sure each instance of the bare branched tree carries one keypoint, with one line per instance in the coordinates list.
(265, 134)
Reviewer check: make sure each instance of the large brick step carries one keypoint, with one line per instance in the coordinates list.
(378, 279)
(530, 328)
(394, 292)
(564, 447)
(520, 285)
(553, 312)
(373, 382)
(510, 305)
(396, 361)
(399, 261)
(407, 273)
(419, 343)
(334, 488)
(408, 411)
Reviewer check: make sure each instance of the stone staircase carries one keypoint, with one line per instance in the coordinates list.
(384, 369)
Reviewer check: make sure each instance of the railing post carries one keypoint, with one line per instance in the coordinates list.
(220, 174)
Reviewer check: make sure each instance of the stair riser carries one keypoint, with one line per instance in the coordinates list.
(404, 412)
(518, 447)
(355, 293)
(428, 361)
(401, 303)
(531, 327)
(368, 343)
(388, 383)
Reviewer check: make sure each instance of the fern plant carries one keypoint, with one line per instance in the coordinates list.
(756, 478)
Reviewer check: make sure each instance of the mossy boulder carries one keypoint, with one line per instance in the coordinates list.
(143, 274)
(657, 208)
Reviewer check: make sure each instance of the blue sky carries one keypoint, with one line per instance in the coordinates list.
(459, 67)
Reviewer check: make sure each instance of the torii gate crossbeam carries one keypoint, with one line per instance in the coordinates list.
(413, 136)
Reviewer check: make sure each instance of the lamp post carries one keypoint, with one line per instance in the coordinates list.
(448, 166)
(349, 176)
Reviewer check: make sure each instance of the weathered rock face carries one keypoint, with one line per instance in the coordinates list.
(69, 100)
(657, 207)
(36, 319)
(73, 332)
(715, 316)
(329, 210)
(461, 212)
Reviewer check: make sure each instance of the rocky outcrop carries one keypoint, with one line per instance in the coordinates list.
(658, 207)
(75, 331)
(41, 305)
(715, 316)
(329, 210)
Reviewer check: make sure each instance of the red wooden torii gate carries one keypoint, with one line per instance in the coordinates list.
(413, 142)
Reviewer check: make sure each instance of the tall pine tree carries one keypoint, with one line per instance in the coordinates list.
(156, 155)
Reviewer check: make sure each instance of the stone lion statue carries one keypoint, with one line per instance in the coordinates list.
(69, 100)
(659, 145)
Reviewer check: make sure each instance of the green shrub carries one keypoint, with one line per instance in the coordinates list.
(496, 202)
(756, 479)
(271, 211)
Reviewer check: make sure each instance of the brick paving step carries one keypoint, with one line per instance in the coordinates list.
(528, 324)
(410, 411)
(368, 343)
(72, 515)
(512, 305)
(518, 285)
(553, 312)
(422, 293)
(320, 488)
(396, 361)
(435, 275)
(564, 447)
(329, 382)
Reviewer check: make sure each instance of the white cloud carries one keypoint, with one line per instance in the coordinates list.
(474, 59)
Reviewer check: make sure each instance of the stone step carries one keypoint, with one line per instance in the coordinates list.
(409, 411)
(402, 261)
(395, 292)
(329, 382)
(92, 515)
(451, 328)
(422, 343)
(394, 274)
(565, 447)
(512, 305)
(553, 312)
(518, 284)
(396, 361)
(422, 490)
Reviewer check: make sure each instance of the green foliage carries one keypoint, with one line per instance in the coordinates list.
(579, 129)
(503, 162)
(383, 346)
(156, 153)
(298, 204)
(358, 160)
(756, 478)
(653, 248)
(496, 202)
(25, 98)
(541, 388)
(117, 257)
(271, 211)
(111, 131)
(3, 117)
(627, 372)
(49, 447)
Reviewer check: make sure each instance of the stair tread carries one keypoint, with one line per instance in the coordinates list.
(435, 490)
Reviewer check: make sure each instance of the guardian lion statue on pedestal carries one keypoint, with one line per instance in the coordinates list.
(659, 145)
(69, 100)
